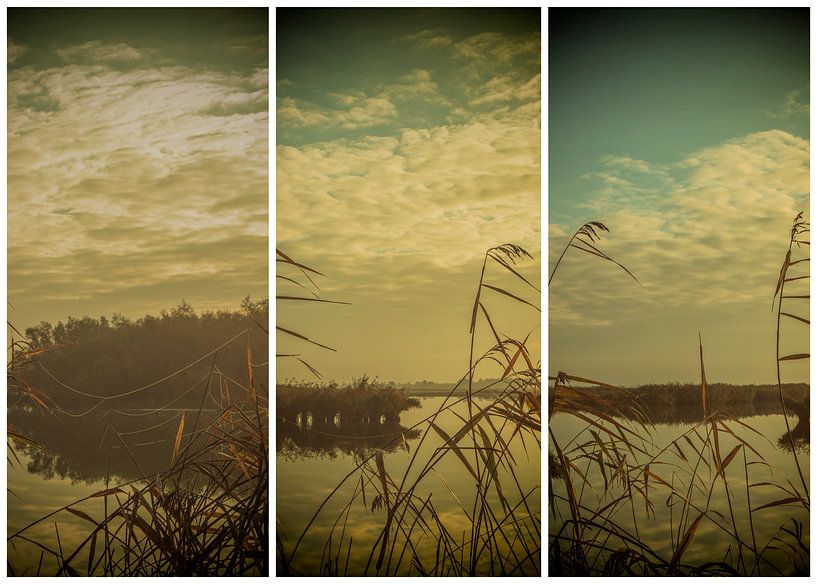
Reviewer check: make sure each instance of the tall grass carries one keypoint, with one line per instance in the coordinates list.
(615, 482)
(500, 508)
(206, 514)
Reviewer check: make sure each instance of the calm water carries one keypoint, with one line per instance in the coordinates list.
(310, 465)
(307, 474)
(709, 543)
(79, 454)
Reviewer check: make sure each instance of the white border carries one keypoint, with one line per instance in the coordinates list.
(544, 169)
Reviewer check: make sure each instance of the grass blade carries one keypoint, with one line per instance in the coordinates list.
(178, 441)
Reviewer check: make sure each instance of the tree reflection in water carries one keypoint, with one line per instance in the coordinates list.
(800, 434)
(316, 438)
(84, 450)
(320, 420)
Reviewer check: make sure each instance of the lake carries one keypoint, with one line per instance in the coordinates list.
(77, 457)
(311, 462)
(658, 527)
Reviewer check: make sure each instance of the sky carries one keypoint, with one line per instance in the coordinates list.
(686, 132)
(408, 143)
(138, 160)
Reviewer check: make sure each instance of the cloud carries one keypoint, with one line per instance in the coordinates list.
(707, 231)
(506, 88)
(358, 112)
(102, 52)
(14, 50)
(415, 86)
(492, 71)
(375, 207)
(495, 68)
(428, 39)
(489, 50)
(145, 186)
(486, 50)
(795, 106)
(626, 163)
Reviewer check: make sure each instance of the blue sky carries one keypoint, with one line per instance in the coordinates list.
(686, 132)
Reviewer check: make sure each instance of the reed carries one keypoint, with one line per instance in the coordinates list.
(503, 518)
(612, 480)
(205, 514)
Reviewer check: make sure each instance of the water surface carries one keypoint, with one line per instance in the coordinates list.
(304, 479)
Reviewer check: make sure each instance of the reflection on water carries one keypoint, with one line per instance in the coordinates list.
(304, 438)
(70, 459)
(767, 465)
(314, 460)
(322, 422)
(126, 445)
(799, 436)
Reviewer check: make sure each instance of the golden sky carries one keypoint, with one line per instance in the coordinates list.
(408, 144)
(137, 161)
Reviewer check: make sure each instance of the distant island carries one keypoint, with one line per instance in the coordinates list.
(682, 402)
(431, 388)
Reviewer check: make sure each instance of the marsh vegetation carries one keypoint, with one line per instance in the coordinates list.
(453, 490)
(140, 448)
(709, 494)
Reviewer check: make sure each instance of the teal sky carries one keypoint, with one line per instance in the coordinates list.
(408, 144)
(137, 160)
(686, 132)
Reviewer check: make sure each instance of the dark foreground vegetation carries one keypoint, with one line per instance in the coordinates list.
(491, 442)
(720, 507)
(191, 500)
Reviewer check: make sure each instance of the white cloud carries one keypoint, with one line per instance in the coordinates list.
(417, 85)
(359, 112)
(710, 230)
(795, 105)
(438, 195)
(428, 39)
(507, 88)
(490, 49)
(626, 163)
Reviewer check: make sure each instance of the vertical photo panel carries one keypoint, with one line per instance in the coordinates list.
(408, 384)
(138, 303)
(678, 315)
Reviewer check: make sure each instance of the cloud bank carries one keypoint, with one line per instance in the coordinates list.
(706, 236)
(420, 174)
(132, 187)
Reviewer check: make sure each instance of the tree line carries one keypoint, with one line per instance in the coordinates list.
(111, 356)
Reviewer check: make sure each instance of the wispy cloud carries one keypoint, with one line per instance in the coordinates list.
(796, 104)
(494, 67)
(146, 185)
(101, 52)
(428, 39)
(417, 85)
(353, 112)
